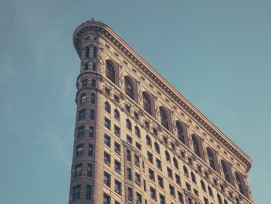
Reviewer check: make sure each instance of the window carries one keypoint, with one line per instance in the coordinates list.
(130, 194)
(106, 199)
(146, 103)
(80, 131)
(116, 98)
(206, 201)
(128, 124)
(129, 173)
(88, 192)
(151, 174)
(169, 173)
(107, 140)
(160, 181)
(107, 158)
(137, 131)
(196, 192)
(195, 146)
(129, 88)
(107, 107)
(76, 192)
(90, 149)
(171, 190)
(93, 83)
(138, 146)
(83, 99)
(185, 170)
(129, 139)
(164, 119)
(158, 164)
(128, 155)
(87, 52)
(155, 132)
(136, 160)
(116, 114)
(188, 186)
(117, 166)
(138, 198)
(107, 91)
(117, 147)
(239, 182)
(136, 115)
(86, 66)
(211, 158)
(162, 199)
(107, 179)
(172, 146)
(92, 114)
(178, 179)
(153, 193)
(94, 51)
(156, 147)
(193, 177)
(84, 83)
(89, 170)
(79, 150)
(107, 123)
(77, 170)
(82, 114)
(210, 191)
(167, 156)
(180, 197)
(91, 131)
(219, 199)
(94, 66)
(116, 130)
(118, 187)
(175, 162)
(92, 98)
(203, 185)
(137, 179)
(225, 171)
(148, 140)
(127, 108)
(180, 132)
(150, 157)
(110, 72)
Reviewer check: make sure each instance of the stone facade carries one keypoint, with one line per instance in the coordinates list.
(138, 140)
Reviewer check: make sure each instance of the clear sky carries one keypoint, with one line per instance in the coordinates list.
(216, 53)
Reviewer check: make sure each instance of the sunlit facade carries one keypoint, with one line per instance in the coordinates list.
(138, 140)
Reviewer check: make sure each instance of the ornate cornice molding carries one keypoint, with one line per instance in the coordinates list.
(104, 30)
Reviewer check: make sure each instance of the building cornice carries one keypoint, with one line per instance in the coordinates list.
(104, 30)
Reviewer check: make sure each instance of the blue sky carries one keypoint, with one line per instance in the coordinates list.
(216, 53)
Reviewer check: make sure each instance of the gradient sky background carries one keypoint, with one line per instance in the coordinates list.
(216, 53)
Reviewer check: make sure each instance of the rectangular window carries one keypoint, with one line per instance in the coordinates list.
(117, 130)
(93, 83)
(188, 186)
(117, 166)
(76, 192)
(106, 199)
(180, 197)
(130, 194)
(107, 158)
(79, 150)
(80, 131)
(107, 179)
(178, 179)
(84, 83)
(127, 108)
(151, 174)
(162, 199)
(136, 160)
(92, 114)
(129, 174)
(158, 164)
(107, 91)
(153, 193)
(117, 147)
(107, 123)
(128, 155)
(137, 179)
(160, 181)
(138, 146)
(118, 187)
(169, 172)
(88, 192)
(171, 190)
(91, 131)
(129, 139)
(150, 157)
(136, 115)
(90, 149)
(138, 198)
(107, 140)
(82, 114)
(77, 170)
(89, 170)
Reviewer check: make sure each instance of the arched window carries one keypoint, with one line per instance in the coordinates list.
(164, 119)
(83, 98)
(195, 145)
(110, 72)
(211, 158)
(156, 147)
(92, 98)
(137, 131)
(226, 171)
(239, 182)
(128, 124)
(148, 140)
(107, 107)
(129, 88)
(167, 156)
(116, 114)
(146, 103)
(180, 132)
(175, 162)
